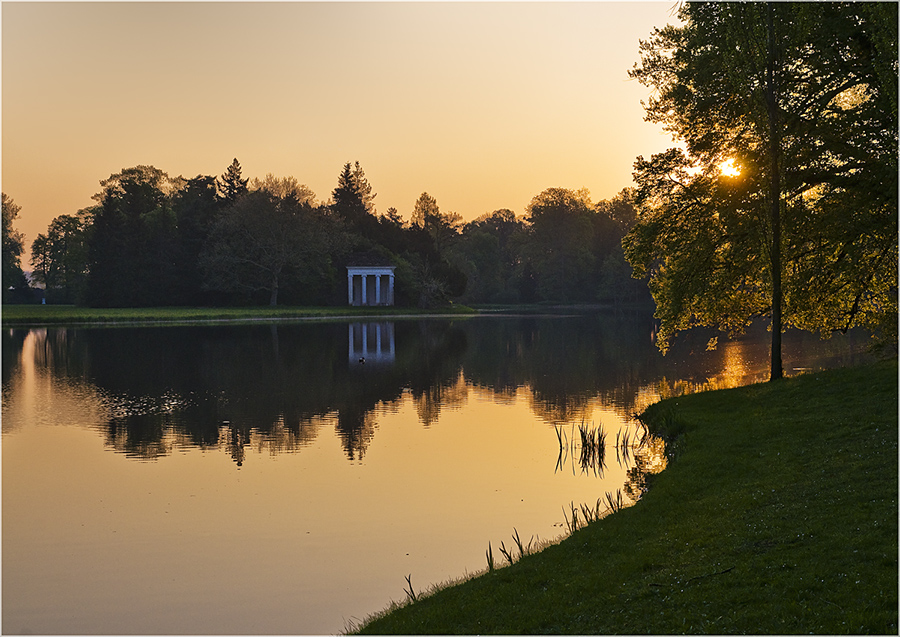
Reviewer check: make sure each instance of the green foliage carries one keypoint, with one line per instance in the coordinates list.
(13, 244)
(197, 207)
(260, 241)
(156, 240)
(60, 258)
(131, 254)
(487, 252)
(802, 97)
(560, 246)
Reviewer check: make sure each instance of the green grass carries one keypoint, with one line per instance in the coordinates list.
(70, 314)
(778, 516)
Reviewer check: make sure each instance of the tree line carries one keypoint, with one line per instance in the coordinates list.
(154, 240)
(800, 97)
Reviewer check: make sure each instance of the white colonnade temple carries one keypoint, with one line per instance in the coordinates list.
(370, 281)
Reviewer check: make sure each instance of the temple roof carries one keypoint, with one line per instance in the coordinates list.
(368, 260)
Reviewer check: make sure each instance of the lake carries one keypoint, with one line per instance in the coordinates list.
(287, 477)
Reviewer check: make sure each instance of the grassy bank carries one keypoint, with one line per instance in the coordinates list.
(779, 515)
(69, 314)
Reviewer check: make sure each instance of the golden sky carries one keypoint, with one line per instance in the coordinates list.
(482, 105)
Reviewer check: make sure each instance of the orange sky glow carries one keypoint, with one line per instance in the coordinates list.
(482, 105)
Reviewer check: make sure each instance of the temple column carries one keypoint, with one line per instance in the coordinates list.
(350, 288)
(377, 289)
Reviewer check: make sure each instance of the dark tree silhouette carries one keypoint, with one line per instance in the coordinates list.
(230, 185)
(13, 244)
(133, 242)
(353, 199)
(60, 258)
(261, 241)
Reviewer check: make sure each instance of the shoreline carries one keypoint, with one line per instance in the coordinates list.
(777, 516)
(14, 316)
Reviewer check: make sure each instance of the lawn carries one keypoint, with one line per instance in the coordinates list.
(778, 515)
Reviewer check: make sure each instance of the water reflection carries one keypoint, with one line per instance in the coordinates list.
(275, 387)
(371, 343)
(272, 387)
(587, 448)
(423, 459)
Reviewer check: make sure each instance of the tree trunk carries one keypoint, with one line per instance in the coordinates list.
(273, 297)
(774, 195)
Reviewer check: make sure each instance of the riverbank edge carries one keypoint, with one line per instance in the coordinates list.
(779, 516)
(70, 315)
(73, 315)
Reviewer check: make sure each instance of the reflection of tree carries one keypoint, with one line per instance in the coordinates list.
(565, 361)
(272, 387)
(236, 438)
(356, 430)
(12, 343)
(649, 458)
(430, 402)
(569, 362)
(139, 436)
(439, 358)
(266, 387)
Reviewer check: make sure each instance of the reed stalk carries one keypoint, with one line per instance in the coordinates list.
(410, 593)
(505, 552)
(614, 503)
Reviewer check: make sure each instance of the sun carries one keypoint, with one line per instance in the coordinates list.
(729, 169)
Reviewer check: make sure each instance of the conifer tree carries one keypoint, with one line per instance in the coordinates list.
(230, 185)
(353, 199)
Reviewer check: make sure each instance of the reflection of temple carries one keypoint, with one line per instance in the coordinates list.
(371, 343)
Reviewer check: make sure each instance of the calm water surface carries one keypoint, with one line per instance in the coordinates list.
(286, 478)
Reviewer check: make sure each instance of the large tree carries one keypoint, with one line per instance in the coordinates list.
(13, 244)
(613, 220)
(265, 239)
(60, 258)
(132, 255)
(197, 207)
(487, 252)
(560, 242)
(442, 226)
(802, 99)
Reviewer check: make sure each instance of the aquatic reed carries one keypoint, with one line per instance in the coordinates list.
(509, 553)
(505, 552)
(523, 550)
(591, 450)
(572, 524)
(410, 593)
(592, 514)
(614, 503)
